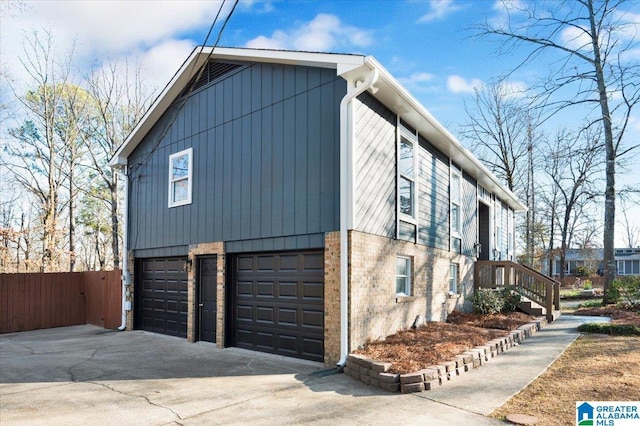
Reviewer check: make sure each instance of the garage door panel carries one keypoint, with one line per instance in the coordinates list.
(265, 263)
(289, 262)
(288, 343)
(244, 288)
(278, 303)
(313, 290)
(245, 263)
(313, 262)
(244, 312)
(264, 314)
(287, 317)
(288, 289)
(312, 319)
(312, 346)
(265, 288)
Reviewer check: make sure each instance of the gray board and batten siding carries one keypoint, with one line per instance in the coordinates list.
(375, 192)
(375, 167)
(469, 215)
(433, 196)
(265, 141)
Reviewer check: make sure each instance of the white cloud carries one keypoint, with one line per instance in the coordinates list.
(154, 35)
(575, 38)
(439, 9)
(117, 26)
(457, 84)
(417, 82)
(508, 5)
(323, 33)
(419, 77)
(513, 89)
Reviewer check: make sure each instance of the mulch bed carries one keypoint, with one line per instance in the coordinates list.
(437, 342)
(617, 315)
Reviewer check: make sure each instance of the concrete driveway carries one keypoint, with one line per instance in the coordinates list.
(85, 375)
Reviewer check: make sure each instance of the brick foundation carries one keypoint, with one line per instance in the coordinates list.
(375, 310)
(331, 298)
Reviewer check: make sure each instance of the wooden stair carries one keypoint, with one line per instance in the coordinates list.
(540, 293)
(530, 307)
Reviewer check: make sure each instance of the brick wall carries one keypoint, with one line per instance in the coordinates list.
(131, 261)
(331, 298)
(375, 310)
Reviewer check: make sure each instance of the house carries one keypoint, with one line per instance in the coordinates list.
(582, 262)
(301, 204)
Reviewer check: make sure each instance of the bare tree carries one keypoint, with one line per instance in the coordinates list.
(121, 100)
(631, 232)
(572, 169)
(497, 130)
(589, 42)
(38, 154)
(502, 132)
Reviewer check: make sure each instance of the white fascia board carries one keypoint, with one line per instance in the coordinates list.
(396, 97)
(342, 63)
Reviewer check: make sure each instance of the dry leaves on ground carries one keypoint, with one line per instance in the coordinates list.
(436, 342)
(617, 315)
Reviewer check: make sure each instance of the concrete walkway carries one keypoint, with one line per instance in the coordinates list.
(86, 375)
(487, 388)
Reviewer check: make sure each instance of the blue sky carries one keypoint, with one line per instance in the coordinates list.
(428, 45)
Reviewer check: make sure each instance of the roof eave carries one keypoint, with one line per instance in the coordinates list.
(397, 98)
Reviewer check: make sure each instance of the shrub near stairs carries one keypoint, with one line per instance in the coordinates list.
(489, 301)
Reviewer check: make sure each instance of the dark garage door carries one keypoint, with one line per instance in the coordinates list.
(161, 296)
(277, 303)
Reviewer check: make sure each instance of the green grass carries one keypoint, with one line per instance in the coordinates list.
(612, 329)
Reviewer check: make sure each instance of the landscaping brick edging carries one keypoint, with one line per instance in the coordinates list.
(375, 373)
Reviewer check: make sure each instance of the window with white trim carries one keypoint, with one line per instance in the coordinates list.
(180, 177)
(456, 227)
(406, 178)
(404, 275)
(453, 278)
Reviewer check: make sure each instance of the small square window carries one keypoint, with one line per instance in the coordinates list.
(453, 278)
(404, 274)
(180, 178)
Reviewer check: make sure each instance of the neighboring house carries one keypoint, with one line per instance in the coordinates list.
(579, 261)
(301, 204)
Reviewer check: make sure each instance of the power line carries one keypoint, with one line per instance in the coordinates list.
(145, 162)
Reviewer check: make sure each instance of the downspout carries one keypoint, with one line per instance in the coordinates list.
(126, 306)
(346, 200)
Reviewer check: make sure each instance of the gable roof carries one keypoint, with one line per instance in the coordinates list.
(350, 67)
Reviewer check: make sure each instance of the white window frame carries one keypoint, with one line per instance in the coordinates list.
(620, 270)
(454, 278)
(408, 278)
(411, 139)
(188, 178)
(456, 231)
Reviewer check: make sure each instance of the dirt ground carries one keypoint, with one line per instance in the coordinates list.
(436, 342)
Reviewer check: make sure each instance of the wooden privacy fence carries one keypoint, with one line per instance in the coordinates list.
(47, 300)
